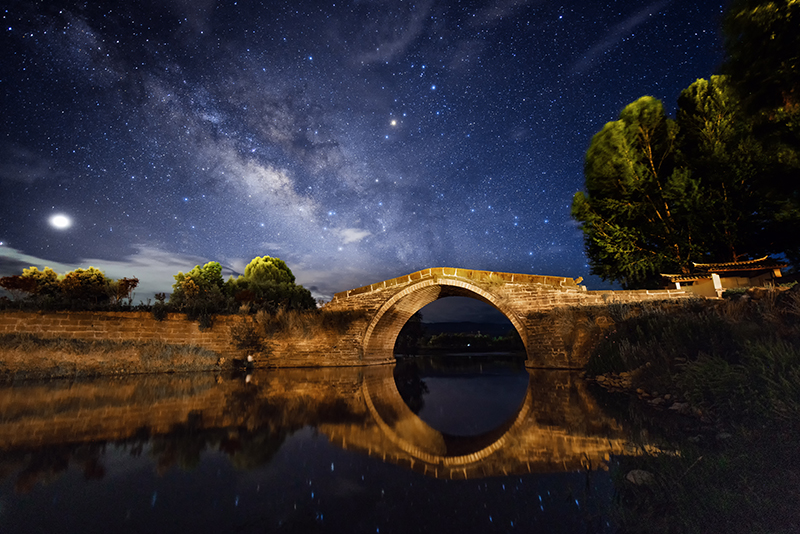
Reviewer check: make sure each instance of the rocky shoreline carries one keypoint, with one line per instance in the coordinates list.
(697, 424)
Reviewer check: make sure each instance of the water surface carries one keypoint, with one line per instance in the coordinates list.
(416, 448)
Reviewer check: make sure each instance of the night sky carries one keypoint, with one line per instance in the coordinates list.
(357, 141)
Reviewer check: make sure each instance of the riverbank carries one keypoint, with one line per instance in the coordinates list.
(718, 382)
(734, 358)
(28, 356)
(283, 339)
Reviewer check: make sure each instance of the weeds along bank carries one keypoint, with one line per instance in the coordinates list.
(35, 344)
(731, 357)
(719, 382)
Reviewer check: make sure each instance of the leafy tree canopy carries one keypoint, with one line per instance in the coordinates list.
(202, 286)
(85, 284)
(631, 210)
(267, 269)
(762, 38)
(18, 286)
(268, 283)
(662, 193)
(46, 281)
(78, 289)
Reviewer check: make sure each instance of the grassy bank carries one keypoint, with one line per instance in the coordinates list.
(719, 382)
(736, 359)
(32, 356)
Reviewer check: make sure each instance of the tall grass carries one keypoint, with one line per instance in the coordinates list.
(739, 361)
(708, 350)
(149, 352)
(764, 384)
(748, 485)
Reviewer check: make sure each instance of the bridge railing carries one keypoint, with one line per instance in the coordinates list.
(467, 274)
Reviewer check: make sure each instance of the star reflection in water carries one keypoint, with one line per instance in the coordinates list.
(298, 451)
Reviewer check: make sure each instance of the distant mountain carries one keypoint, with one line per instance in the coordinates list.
(464, 327)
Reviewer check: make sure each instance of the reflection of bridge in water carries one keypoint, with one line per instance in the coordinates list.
(558, 425)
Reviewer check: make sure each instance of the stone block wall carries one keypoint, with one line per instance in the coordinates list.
(532, 303)
(316, 348)
(123, 326)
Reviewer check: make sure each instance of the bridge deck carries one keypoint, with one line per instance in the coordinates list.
(468, 274)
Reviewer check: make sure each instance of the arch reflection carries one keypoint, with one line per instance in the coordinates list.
(557, 427)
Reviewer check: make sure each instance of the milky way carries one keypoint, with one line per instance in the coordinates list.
(357, 141)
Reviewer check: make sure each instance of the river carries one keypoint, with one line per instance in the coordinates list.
(423, 446)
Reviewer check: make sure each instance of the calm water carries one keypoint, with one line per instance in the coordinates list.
(419, 447)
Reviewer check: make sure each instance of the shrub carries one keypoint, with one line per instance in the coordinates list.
(268, 284)
(19, 287)
(159, 311)
(246, 336)
(198, 287)
(122, 289)
(46, 281)
(85, 284)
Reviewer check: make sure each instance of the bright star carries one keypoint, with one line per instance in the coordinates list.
(60, 222)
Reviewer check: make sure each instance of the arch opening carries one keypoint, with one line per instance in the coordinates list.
(382, 332)
(456, 326)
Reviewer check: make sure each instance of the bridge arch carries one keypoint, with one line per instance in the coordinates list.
(383, 329)
(430, 450)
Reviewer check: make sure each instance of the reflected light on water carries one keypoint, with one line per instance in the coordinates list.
(315, 450)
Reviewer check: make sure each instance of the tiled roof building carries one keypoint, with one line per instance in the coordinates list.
(712, 279)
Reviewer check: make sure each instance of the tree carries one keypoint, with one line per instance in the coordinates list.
(121, 289)
(18, 286)
(638, 208)
(269, 284)
(85, 284)
(717, 144)
(46, 281)
(199, 287)
(713, 198)
(267, 269)
(762, 38)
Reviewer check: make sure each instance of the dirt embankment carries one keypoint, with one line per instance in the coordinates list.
(26, 357)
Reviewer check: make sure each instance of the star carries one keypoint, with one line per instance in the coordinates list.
(262, 141)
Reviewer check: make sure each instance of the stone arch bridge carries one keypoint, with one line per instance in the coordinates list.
(535, 305)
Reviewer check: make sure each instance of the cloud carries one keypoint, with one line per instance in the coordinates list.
(390, 34)
(287, 123)
(352, 235)
(11, 258)
(265, 182)
(154, 267)
(616, 34)
(327, 282)
(20, 164)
